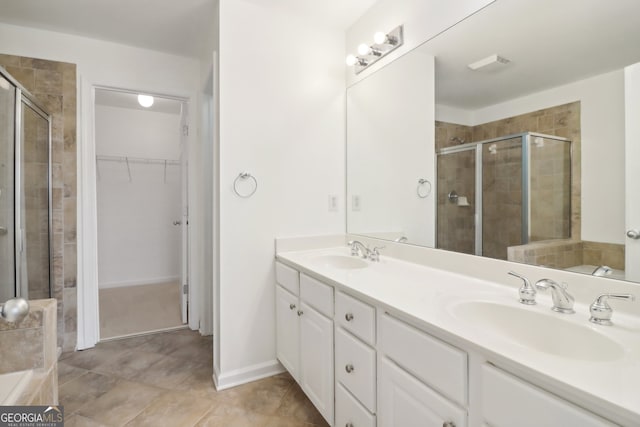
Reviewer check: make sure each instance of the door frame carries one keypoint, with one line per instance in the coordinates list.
(88, 311)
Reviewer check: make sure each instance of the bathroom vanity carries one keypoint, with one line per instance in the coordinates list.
(396, 343)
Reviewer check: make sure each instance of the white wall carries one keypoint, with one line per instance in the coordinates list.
(391, 146)
(603, 152)
(282, 119)
(116, 65)
(137, 242)
(422, 21)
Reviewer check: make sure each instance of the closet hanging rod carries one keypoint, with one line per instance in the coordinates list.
(126, 159)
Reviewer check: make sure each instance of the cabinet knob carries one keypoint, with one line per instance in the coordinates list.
(292, 306)
(300, 312)
(349, 368)
(348, 317)
(448, 424)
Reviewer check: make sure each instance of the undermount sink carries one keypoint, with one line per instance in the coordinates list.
(546, 333)
(342, 262)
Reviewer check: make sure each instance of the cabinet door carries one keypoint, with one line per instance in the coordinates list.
(287, 331)
(316, 360)
(405, 401)
(509, 401)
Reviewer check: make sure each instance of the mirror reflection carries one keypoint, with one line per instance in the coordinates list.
(523, 156)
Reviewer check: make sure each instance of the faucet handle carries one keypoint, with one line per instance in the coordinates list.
(374, 254)
(527, 292)
(601, 312)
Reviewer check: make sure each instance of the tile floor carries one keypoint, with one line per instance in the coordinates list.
(165, 380)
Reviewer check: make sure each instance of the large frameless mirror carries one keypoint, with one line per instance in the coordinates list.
(523, 156)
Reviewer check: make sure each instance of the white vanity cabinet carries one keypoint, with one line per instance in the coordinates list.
(509, 401)
(421, 380)
(304, 333)
(355, 360)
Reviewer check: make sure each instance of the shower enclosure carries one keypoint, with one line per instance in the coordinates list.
(25, 193)
(503, 192)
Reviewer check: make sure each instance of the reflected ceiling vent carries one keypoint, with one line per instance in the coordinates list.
(491, 62)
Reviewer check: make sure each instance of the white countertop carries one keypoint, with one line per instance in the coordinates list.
(429, 295)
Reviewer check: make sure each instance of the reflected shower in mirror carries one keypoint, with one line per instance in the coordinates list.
(529, 161)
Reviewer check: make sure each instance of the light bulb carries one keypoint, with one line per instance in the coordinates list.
(145, 100)
(351, 60)
(379, 37)
(364, 49)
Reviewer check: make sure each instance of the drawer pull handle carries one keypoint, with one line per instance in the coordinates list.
(348, 317)
(349, 368)
(300, 312)
(292, 306)
(348, 425)
(448, 424)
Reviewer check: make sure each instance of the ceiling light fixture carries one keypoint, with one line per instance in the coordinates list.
(145, 100)
(488, 62)
(383, 45)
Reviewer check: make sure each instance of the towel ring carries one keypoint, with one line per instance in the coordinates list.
(243, 176)
(423, 194)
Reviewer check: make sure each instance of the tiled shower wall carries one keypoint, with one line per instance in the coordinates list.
(54, 85)
(562, 120)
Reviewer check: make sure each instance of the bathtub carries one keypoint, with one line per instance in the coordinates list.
(12, 385)
(588, 269)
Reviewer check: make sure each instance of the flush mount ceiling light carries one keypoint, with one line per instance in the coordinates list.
(490, 62)
(384, 43)
(145, 100)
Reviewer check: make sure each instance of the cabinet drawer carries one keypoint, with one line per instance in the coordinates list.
(317, 295)
(361, 380)
(440, 365)
(405, 401)
(349, 412)
(356, 317)
(509, 401)
(288, 278)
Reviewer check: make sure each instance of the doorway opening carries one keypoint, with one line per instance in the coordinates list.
(142, 212)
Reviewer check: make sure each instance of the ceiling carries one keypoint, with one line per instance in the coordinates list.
(172, 26)
(549, 42)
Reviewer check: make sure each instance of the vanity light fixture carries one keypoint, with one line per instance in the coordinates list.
(145, 100)
(384, 43)
(489, 61)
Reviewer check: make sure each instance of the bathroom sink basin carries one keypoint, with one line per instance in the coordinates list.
(341, 262)
(546, 333)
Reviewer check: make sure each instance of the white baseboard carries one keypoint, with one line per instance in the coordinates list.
(246, 375)
(153, 281)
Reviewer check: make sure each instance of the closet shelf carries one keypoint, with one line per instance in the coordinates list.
(126, 159)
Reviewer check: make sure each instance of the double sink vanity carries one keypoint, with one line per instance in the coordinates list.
(398, 341)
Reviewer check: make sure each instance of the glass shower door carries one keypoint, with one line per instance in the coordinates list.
(502, 198)
(456, 201)
(7, 209)
(34, 199)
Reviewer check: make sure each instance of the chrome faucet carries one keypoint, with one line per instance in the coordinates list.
(359, 249)
(527, 292)
(602, 271)
(374, 254)
(401, 239)
(562, 300)
(601, 312)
